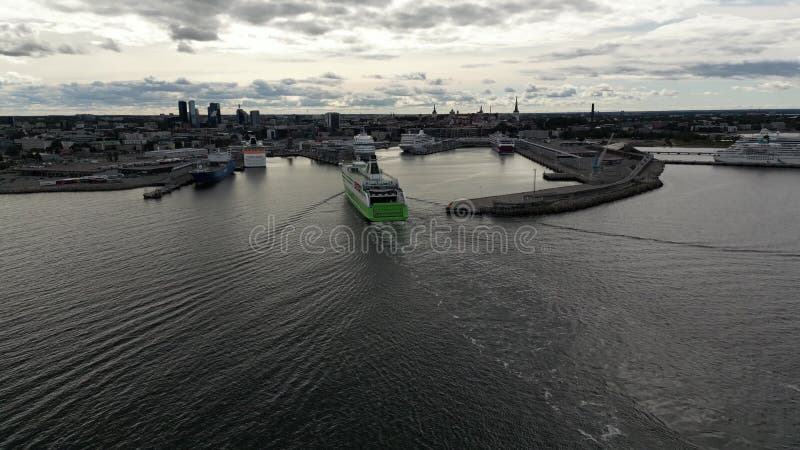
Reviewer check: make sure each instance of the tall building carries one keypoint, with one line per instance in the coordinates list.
(516, 109)
(434, 114)
(241, 116)
(192, 113)
(214, 115)
(332, 121)
(255, 118)
(183, 111)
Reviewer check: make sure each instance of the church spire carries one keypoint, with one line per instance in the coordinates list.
(516, 106)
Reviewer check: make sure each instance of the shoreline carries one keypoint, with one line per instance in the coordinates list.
(27, 186)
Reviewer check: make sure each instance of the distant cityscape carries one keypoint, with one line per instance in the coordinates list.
(33, 137)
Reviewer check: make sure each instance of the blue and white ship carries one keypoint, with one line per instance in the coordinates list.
(218, 166)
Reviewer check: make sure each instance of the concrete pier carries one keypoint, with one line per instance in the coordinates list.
(732, 164)
(633, 173)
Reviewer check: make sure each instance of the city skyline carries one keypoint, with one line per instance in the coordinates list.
(388, 56)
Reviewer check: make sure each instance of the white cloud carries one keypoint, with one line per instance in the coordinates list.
(777, 85)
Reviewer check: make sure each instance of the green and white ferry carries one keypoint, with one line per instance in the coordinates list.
(375, 194)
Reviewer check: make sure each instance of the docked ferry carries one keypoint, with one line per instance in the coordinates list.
(254, 152)
(218, 166)
(416, 143)
(375, 194)
(502, 144)
(763, 149)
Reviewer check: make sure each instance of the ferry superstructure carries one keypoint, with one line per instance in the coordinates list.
(417, 143)
(763, 149)
(502, 144)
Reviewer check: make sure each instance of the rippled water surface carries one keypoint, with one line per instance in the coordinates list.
(668, 320)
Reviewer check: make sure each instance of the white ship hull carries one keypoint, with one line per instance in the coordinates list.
(255, 159)
(773, 159)
(765, 149)
(414, 148)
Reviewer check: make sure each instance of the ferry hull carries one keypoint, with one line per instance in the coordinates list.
(255, 159)
(503, 149)
(211, 177)
(381, 212)
(770, 161)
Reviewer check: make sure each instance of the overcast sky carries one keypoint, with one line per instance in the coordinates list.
(142, 56)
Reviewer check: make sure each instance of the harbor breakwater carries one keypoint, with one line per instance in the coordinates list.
(638, 173)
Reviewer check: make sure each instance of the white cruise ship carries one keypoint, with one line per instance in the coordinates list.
(418, 143)
(763, 149)
(363, 146)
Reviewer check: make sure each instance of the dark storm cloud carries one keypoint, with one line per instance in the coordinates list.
(746, 69)
(259, 13)
(550, 92)
(417, 76)
(69, 50)
(110, 44)
(423, 16)
(184, 19)
(326, 79)
(371, 102)
(188, 33)
(153, 92)
(183, 47)
(378, 56)
(602, 49)
(24, 48)
(396, 90)
(309, 27)
(201, 20)
(20, 41)
(162, 94)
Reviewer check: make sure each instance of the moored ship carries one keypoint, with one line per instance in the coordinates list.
(363, 147)
(502, 144)
(218, 166)
(418, 143)
(254, 152)
(763, 149)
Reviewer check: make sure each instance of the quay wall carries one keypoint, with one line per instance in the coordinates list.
(583, 200)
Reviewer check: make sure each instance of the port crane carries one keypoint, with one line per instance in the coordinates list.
(598, 160)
